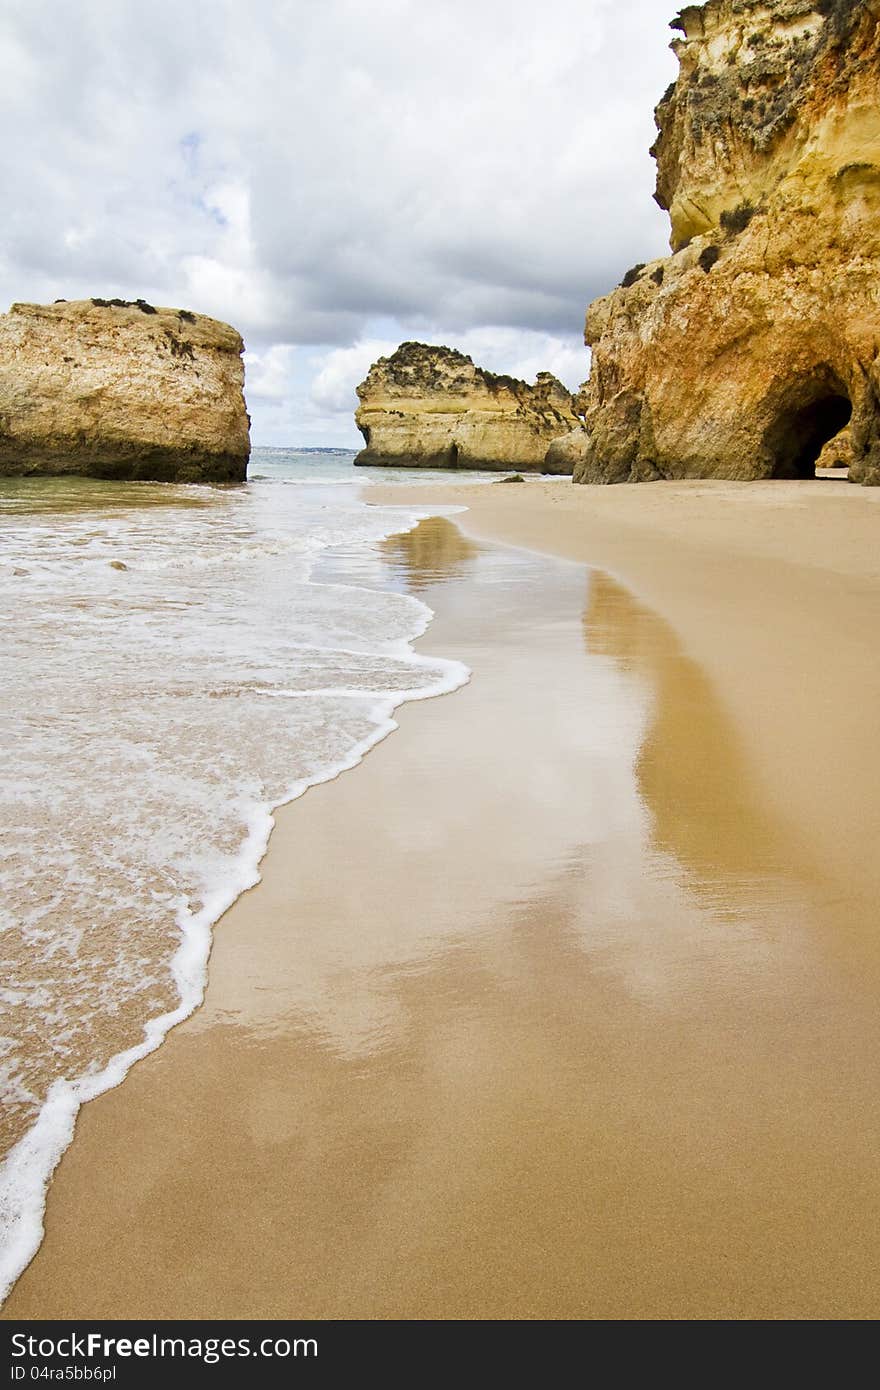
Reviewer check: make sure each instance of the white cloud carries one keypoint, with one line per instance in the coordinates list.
(333, 388)
(270, 373)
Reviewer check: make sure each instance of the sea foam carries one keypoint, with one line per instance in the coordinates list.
(154, 717)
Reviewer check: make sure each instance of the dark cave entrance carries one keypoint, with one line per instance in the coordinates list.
(816, 411)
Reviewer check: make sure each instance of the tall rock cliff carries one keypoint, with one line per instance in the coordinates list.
(430, 407)
(118, 390)
(757, 341)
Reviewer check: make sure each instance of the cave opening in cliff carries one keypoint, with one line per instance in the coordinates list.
(817, 411)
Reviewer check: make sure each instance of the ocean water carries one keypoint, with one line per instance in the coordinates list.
(173, 671)
(331, 466)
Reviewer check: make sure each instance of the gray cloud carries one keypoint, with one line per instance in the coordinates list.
(324, 175)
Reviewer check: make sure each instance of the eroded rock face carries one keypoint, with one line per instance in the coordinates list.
(117, 390)
(430, 407)
(757, 341)
(837, 453)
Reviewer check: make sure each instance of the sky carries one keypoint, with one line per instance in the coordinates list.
(333, 177)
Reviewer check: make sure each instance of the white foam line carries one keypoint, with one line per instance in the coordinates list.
(27, 1170)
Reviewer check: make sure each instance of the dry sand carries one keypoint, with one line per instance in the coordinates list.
(565, 1002)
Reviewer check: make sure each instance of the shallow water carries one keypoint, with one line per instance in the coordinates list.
(171, 673)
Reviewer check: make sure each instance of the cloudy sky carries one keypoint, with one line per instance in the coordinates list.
(334, 176)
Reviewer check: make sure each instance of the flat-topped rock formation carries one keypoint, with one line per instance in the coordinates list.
(751, 347)
(430, 407)
(113, 389)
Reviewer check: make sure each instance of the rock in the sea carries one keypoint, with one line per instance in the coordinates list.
(756, 342)
(121, 390)
(430, 407)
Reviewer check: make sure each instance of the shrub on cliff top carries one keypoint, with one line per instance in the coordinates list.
(632, 275)
(141, 304)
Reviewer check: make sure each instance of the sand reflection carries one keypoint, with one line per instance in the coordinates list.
(434, 551)
(704, 800)
(594, 789)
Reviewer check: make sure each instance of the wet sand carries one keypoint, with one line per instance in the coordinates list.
(565, 1002)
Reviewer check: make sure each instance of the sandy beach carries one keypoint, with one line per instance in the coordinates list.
(565, 1002)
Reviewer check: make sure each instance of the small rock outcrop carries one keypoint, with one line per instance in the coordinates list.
(430, 407)
(758, 341)
(112, 389)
